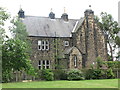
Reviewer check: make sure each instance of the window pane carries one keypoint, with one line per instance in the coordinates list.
(66, 43)
(43, 47)
(39, 67)
(39, 42)
(47, 62)
(47, 48)
(43, 42)
(39, 62)
(39, 47)
(43, 62)
(47, 67)
(47, 42)
(75, 61)
(43, 67)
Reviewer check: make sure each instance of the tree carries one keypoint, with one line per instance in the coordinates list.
(18, 29)
(3, 17)
(15, 50)
(111, 29)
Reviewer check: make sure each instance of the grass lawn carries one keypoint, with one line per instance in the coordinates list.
(104, 83)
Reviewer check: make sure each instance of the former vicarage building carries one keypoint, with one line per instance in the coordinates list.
(65, 43)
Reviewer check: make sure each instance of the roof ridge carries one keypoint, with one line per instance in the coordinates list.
(48, 17)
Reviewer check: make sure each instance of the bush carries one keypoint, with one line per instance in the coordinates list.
(98, 74)
(75, 75)
(110, 74)
(6, 76)
(60, 74)
(112, 64)
(94, 74)
(88, 73)
(47, 74)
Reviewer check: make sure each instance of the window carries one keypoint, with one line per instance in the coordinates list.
(66, 43)
(75, 61)
(44, 64)
(39, 45)
(40, 64)
(47, 64)
(47, 45)
(43, 45)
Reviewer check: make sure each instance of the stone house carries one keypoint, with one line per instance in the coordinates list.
(65, 43)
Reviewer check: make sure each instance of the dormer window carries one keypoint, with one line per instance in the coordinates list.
(66, 43)
(43, 45)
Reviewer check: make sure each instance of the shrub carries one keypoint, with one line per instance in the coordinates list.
(112, 64)
(6, 76)
(47, 74)
(75, 75)
(94, 74)
(88, 73)
(110, 74)
(98, 74)
(60, 74)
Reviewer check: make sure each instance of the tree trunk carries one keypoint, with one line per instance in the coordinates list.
(111, 51)
(16, 76)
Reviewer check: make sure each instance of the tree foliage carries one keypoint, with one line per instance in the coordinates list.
(14, 55)
(15, 58)
(110, 29)
(19, 29)
(3, 17)
(15, 51)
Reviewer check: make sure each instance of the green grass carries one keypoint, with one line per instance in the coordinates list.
(103, 83)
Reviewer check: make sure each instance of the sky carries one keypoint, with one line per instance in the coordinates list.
(74, 8)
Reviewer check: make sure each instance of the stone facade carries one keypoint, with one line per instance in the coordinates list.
(80, 50)
(51, 53)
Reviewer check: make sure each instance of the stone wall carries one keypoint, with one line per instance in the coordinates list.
(50, 54)
(90, 40)
(75, 52)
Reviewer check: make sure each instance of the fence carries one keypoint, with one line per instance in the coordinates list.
(58, 74)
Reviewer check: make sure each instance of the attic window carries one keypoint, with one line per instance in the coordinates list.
(66, 43)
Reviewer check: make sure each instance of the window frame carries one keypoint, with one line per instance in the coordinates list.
(42, 44)
(47, 44)
(39, 45)
(41, 65)
(66, 43)
(75, 61)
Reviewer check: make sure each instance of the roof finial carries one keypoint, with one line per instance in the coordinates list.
(64, 10)
(90, 6)
(20, 6)
(51, 9)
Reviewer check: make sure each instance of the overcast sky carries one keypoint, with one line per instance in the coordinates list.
(74, 8)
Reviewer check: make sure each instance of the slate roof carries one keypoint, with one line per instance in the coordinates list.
(46, 27)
